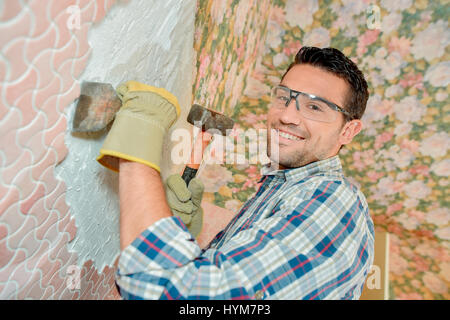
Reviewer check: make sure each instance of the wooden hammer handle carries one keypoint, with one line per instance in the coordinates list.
(201, 143)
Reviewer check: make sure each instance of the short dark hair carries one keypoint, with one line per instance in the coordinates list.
(334, 61)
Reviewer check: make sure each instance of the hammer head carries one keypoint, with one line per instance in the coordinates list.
(208, 119)
(96, 107)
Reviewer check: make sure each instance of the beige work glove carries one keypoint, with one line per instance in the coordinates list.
(140, 125)
(185, 201)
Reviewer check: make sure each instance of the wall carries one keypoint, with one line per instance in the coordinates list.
(229, 39)
(241, 49)
(401, 159)
(59, 207)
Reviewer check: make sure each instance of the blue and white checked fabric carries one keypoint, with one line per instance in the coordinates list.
(305, 234)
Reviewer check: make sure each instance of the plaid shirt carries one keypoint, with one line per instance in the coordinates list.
(305, 234)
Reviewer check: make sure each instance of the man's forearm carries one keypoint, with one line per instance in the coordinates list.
(142, 200)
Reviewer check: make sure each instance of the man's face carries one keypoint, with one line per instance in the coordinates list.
(318, 140)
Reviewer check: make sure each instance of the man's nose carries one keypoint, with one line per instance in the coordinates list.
(290, 114)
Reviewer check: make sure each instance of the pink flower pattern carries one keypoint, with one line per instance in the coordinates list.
(400, 157)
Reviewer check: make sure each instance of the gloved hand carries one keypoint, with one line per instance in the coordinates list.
(140, 125)
(185, 202)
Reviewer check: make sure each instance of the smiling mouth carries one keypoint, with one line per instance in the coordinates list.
(289, 136)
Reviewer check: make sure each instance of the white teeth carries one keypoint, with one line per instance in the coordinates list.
(288, 136)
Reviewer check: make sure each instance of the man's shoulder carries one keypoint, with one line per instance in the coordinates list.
(327, 184)
(335, 195)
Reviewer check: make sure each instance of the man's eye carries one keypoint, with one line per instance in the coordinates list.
(314, 107)
(283, 98)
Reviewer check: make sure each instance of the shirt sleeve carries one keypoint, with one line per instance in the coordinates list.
(318, 248)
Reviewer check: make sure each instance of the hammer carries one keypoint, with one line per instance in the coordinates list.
(205, 119)
(98, 104)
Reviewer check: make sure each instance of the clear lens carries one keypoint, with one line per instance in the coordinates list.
(310, 108)
(280, 97)
(314, 109)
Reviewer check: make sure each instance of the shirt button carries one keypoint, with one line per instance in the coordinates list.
(259, 295)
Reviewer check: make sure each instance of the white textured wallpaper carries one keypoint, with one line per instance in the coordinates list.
(143, 40)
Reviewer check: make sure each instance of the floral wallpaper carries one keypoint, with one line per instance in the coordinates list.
(401, 158)
(227, 38)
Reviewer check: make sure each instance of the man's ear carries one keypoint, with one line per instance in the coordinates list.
(350, 129)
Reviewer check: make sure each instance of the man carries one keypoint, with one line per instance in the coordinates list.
(306, 234)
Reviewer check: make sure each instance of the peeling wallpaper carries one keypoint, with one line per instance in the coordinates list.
(148, 41)
(41, 58)
(58, 207)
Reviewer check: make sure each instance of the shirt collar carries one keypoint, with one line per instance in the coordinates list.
(329, 166)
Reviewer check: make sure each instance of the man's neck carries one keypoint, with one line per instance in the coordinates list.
(277, 166)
